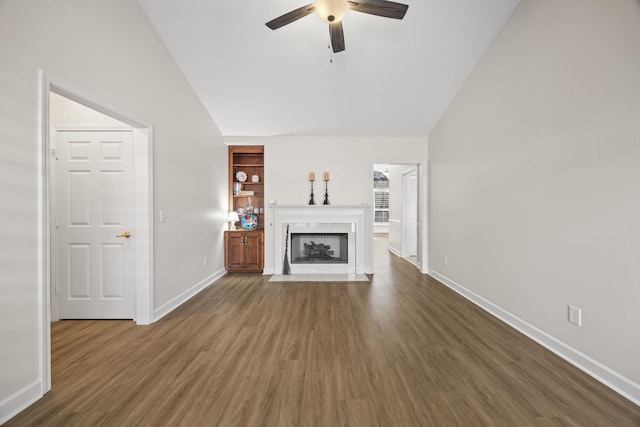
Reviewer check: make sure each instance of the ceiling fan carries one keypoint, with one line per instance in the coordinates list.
(332, 12)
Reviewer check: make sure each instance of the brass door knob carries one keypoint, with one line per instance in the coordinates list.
(126, 235)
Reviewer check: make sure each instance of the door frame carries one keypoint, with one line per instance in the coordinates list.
(423, 200)
(143, 201)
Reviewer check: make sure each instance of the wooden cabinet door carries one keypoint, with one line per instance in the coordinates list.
(253, 251)
(235, 250)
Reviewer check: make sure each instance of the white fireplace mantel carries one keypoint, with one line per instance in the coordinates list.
(359, 217)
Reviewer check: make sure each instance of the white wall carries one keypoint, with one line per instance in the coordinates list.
(288, 161)
(535, 173)
(65, 112)
(109, 50)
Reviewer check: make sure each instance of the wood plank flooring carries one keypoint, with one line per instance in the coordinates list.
(402, 350)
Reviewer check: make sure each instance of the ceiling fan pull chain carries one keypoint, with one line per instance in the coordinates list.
(330, 50)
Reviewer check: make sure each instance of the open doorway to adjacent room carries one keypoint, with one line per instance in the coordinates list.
(399, 207)
(71, 120)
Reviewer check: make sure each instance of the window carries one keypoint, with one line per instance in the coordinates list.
(380, 198)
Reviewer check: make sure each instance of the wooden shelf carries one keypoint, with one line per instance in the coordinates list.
(244, 249)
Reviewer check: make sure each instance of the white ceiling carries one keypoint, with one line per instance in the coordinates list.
(395, 78)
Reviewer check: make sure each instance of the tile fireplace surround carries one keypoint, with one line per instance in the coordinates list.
(354, 220)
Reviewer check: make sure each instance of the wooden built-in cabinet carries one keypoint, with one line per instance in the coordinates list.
(244, 249)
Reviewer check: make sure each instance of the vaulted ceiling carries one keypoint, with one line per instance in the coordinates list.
(395, 78)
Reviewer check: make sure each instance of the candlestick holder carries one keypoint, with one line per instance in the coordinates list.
(326, 192)
(312, 201)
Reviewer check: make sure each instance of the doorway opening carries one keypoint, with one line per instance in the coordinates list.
(399, 200)
(142, 220)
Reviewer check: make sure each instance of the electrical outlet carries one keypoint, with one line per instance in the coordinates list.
(445, 261)
(204, 261)
(575, 315)
(163, 217)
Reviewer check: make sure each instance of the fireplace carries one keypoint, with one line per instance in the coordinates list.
(341, 236)
(319, 248)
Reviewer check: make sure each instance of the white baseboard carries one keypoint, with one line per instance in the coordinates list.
(176, 302)
(394, 251)
(267, 271)
(612, 379)
(20, 400)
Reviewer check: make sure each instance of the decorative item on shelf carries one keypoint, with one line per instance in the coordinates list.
(247, 193)
(240, 211)
(312, 177)
(255, 178)
(249, 221)
(237, 188)
(232, 219)
(249, 208)
(241, 176)
(326, 189)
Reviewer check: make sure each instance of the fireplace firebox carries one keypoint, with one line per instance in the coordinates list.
(319, 248)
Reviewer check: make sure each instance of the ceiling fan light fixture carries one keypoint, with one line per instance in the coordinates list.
(331, 11)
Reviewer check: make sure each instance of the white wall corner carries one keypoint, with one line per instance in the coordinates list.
(20, 400)
(187, 295)
(612, 379)
(267, 271)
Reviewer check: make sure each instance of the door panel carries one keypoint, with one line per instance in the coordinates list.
(79, 271)
(253, 248)
(113, 277)
(236, 248)
(94, 192)
(78, 191)
(410, 216)
(112, 209)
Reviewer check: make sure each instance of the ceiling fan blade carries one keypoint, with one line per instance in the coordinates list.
(337, 37)
(388, 9)
(288, 18)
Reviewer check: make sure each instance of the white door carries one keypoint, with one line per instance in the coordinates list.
(93, 215)
(410, 216)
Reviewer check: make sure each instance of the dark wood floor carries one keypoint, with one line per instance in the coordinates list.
(402, 350)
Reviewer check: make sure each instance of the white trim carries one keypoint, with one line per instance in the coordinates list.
(44, 233)
(267, 271)
(187, 295)
(359, 217)
(394, 251)
(607, 376)
(423, 217)
(20, 400)
(143, 188)
(90, 128)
